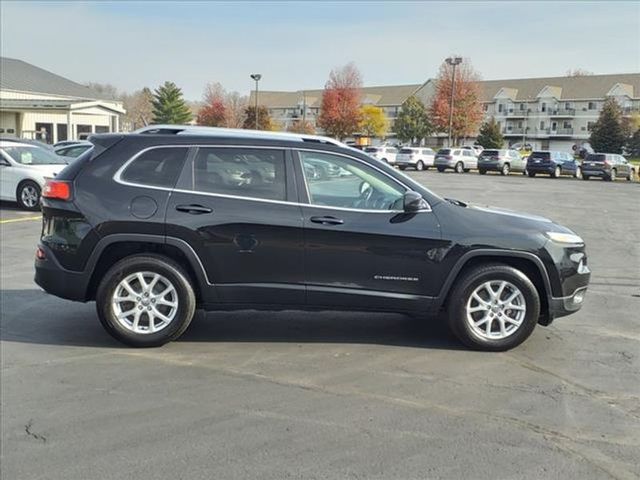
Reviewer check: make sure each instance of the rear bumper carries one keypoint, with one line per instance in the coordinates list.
(58, 281)
(596, 172)
(490, 166)
(548, 169)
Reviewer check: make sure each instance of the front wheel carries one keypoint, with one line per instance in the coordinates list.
(493, 307)
(578, 174)
(145, 300)
(586, 177)
(419, 166)
(631, 175)
(531, 174)
(28, 195)
(612, 176)
(506, 169)
(459, 168)
(556, 172)
(402, 167)
(482, 172)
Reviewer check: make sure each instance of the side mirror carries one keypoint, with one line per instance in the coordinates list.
(413, 202)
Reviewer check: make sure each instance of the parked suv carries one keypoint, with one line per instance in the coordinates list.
(553, 163)
(146, 225)
(607, 166)
(503, 161)
(385, 153)
(458, 159)
(418, 158)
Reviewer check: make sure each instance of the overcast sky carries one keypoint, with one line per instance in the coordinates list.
(295, 45)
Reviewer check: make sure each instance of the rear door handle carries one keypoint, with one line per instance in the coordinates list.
(194, 209)
(327, 220)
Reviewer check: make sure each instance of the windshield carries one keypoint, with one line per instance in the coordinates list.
(541, 155)
(34, 156)
(444, 151)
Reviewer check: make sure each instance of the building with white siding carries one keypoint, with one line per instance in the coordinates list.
(548, 113)
(35, 103)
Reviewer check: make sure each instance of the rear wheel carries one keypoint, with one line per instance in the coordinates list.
(631, 175)
(612, 176)
(28, 195)
(586, 177)
(531, 174)
(506, 169)
(459, 168)
(401, 167)
(419, 166)
(556, 172)
(482, 172)
(145, 300)
(578, 173)
(493, 307)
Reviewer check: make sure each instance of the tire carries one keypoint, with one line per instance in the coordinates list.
(578, 173)
(402, 167)
(170, 275)
(506, 169)
(419, 166)
(556, 172)
(482, 172)
(522, 318)
(585, 177)
(459, 168)
(612, 176)
(28, 195)
(631, 175)
(531, 174)
(440, 169)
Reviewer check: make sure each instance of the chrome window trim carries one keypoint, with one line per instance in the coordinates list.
(117, 177)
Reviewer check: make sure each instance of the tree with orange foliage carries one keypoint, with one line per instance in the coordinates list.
(340, 110)
(300, 126)
(214, 112)
(467, 110)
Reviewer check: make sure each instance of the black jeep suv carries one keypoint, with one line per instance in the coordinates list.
(158, 223)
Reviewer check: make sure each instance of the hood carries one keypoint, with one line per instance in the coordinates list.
(511, 213)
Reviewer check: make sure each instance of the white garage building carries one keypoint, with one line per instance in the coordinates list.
(35, 103)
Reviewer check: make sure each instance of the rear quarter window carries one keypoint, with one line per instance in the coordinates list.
(158, 167)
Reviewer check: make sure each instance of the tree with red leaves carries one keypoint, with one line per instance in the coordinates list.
(214, 112)
(467, 110)
(340, 109)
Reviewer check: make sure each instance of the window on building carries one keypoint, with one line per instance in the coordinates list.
(485, 107)
(566, 125)
(543, 107)
(542, 125)
(520, 124)
(500, 107)
(44, 132)
(254, 173)
(522, 106)
(592, 106)
(590, 126)
(158, 167)
(62, 131)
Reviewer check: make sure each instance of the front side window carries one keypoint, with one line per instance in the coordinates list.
(158, 167)
(351, 184)
(253, 173)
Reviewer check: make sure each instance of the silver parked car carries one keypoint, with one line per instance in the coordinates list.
(503, 161)
(385, 153)
(458, 159)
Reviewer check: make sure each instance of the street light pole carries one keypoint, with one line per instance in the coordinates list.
(256, 77)
(453, 61)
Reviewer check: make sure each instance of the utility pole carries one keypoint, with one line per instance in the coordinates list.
(256, 77)
(453, 61)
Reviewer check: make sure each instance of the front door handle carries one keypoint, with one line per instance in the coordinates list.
(194, 209)
(327, 220)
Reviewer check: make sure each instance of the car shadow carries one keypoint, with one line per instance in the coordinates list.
(31, 316)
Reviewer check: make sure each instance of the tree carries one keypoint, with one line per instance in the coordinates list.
(169, 105)
(106, 89)
(299, 126)
(490, 135)
(633, 145)
(213, 113)
(578, 72)
(340, 109)
(373, 121)
(235, 105)
(412, 124)
(139, 107)
(608, 134)
(467, 110)
(264, 120)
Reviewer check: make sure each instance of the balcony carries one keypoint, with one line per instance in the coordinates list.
(630, 110)
(562, 112)
(559, 132)
(513, 131)
(517, 113)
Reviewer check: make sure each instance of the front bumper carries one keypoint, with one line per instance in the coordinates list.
(563, 306)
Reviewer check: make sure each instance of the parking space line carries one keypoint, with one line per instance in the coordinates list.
(24, 219)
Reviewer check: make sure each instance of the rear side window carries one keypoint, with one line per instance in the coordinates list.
(254, 173)
(158, 167)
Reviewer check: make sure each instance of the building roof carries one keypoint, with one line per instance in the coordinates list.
(24, 77)
(564, 88)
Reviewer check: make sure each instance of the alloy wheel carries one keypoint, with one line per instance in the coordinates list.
(145, 302)
(496, 309)
(29, 196)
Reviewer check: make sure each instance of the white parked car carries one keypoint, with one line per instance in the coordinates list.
(23, 169)
(415, 157)
(458, 159)
(477, 149)
(385, 153)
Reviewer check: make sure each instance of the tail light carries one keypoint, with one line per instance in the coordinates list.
(57, 189)
(449, 157)
(606, 163)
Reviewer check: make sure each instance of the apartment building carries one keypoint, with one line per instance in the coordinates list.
(548, 113)
(35, 103)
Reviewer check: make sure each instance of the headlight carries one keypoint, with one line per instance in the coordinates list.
(560, 237)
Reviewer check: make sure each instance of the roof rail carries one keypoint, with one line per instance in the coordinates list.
(234, 132)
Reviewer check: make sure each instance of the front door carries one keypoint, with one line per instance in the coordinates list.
(361, 249)
(232, 206)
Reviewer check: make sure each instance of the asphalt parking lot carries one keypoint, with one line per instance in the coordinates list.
(334, 395)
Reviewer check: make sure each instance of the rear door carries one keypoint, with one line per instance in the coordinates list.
(232, 206)
(361, 249)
